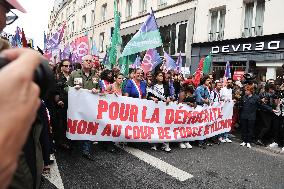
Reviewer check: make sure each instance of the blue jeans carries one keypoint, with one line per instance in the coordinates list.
(86, 147)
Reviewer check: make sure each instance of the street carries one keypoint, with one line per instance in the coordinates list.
(219, 166)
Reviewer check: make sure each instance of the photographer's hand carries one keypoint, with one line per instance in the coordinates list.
(19, 102)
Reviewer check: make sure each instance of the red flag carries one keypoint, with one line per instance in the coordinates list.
(198, 73)
(82, 47)
(24, 40)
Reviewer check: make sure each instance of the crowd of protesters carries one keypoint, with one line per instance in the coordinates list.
(257, 115)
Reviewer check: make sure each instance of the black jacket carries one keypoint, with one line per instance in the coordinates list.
(249, 106)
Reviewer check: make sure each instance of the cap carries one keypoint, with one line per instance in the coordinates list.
(16, 5)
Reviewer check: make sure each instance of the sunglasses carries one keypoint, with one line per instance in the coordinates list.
(66, 66)
(11, 17)
(88, 60)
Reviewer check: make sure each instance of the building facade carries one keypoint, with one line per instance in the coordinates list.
(247, 33)
(95, 18)
(84, 17)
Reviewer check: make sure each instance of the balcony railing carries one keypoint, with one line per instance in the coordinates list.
(142, 12)
(128, 17)
(160, 6)
(253, 31)
(216, 36)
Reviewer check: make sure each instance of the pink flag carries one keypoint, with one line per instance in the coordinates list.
(81, 47)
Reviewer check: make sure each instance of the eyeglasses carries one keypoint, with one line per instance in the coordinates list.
(11, 17)
(67, 66)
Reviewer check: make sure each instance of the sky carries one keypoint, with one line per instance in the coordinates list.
(35, 21)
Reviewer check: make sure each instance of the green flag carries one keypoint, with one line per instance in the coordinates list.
(148, 37)
(207, 64)
(125, 66)
(116, 40)
(125, 62)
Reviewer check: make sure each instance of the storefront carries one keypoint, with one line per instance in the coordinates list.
(263, 55)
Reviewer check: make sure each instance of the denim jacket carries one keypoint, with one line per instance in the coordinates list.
(201, 93)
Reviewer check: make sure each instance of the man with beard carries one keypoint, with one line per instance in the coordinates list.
(226, 94)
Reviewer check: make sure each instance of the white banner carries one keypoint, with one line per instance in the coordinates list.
(124, 119)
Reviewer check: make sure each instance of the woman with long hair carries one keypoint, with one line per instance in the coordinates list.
(61, 102)
(106, 80)
(187, 97)
(159, 91)
(116, 87)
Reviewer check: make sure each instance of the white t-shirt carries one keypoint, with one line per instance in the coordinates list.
(226, 94)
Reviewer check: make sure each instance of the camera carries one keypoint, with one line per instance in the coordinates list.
(249, 78)
(43, 76)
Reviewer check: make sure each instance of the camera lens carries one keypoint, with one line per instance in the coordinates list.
(43, 76)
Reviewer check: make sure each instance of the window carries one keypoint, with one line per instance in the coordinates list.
(248, 19)
(101, 42)
(61, 17)
(254, 17)
(128, 8)
(67, 12)
(84, 22)
(259, 18)
(93, 17)
(143, 6)
(182, 28)
(217, 24)
(103, 13)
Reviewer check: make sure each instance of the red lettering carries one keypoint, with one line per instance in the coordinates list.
(127, 130)
(144, 113)
(116, 131)
(167, 132)
(124, 112)
(72, 126)
(82, 127)
(92, 128)
(169, 119)
(188, 131)
(133, 113)
(102, 107)
(107, 130)
(199, 130)
(176, 132)
(182, 131)
(155, 116)
(136, 132)
(161, 132)
(151, 132)
(113, 110)
(178, 118)
(206, 131)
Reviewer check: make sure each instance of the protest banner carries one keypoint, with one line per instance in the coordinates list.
(124, 119)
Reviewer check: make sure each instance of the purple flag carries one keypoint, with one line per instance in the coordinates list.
(53, 42)
(169, 62)
(137, 62)
(66, 52)
(150, 60)
(179, 63)
(228, 70)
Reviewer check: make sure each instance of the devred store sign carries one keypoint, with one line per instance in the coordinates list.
(260, 46)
